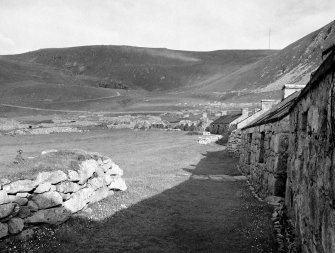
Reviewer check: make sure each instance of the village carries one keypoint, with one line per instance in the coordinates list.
(167, 126)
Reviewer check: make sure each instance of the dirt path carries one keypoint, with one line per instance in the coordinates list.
(172, 205)
(63, 111)
(80, 111)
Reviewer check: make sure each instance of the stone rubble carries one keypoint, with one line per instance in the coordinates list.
(207, 139)
(54, 196)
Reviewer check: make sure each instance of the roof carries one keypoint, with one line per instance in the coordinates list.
(226, 119)
(326, 67)
(276, 113)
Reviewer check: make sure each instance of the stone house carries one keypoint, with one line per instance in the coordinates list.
(244, 115)
(223, 125)
(264, 148)
(266, 105)
(234, 139)
(310, 192)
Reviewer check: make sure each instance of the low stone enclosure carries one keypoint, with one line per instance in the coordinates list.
(51, 197)
(289, 152)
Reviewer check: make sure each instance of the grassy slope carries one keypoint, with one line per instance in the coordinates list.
(143, 68)
(49, 78)
(292, 64)
(164, 210)
(166, 76)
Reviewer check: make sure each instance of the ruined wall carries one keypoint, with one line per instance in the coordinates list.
(311, 176)
(53, 196)
(263, 157)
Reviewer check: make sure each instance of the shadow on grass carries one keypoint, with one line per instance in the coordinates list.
(194, 216)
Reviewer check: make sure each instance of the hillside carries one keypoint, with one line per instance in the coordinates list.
(140, 68)
(127, 78)
(293, 64)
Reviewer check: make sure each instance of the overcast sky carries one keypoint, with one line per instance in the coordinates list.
(201, 25)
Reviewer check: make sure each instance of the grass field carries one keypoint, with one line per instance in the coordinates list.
(166, 208)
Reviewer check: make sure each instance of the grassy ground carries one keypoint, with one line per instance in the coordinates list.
(166, 209)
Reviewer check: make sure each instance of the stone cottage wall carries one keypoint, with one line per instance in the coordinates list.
(222, 129)
(263, 157)
(311, 175)
(52, 197)
(234, 142)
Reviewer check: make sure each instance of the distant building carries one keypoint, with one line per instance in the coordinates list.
(222, 124)
(266, 105)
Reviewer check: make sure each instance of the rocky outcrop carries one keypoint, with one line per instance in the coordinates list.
(55, 195)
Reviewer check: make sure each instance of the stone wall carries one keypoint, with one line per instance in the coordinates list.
(263, 157)
(53, 196)
(311, 178)
(222, 129)
(234, 142)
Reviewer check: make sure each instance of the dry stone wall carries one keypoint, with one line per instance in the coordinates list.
(311, 178)
(234, 142)
(53, 196)
(263, 157)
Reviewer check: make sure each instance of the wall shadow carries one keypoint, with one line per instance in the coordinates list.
(198, 215)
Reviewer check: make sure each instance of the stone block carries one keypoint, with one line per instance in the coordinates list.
(43, 187)
(118, 183)
(107, 163)
(3, 230)
(23, 194)
(67, 187)
(4, 197)
(47, 200)
(78, 200)
(96, 183)
(115, 170)
(18, 200)
(73, 176)
(20, 186)
(32, 206)
(87, 169)
(99, 171)
(53, 177)
(55, 216)
(6, 210)
(15, 225)
(24, 212)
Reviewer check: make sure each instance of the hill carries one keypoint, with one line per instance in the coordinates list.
(265, 78)
(139, 68)
(127, 78)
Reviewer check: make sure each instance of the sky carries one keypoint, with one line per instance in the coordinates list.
(197, 25)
